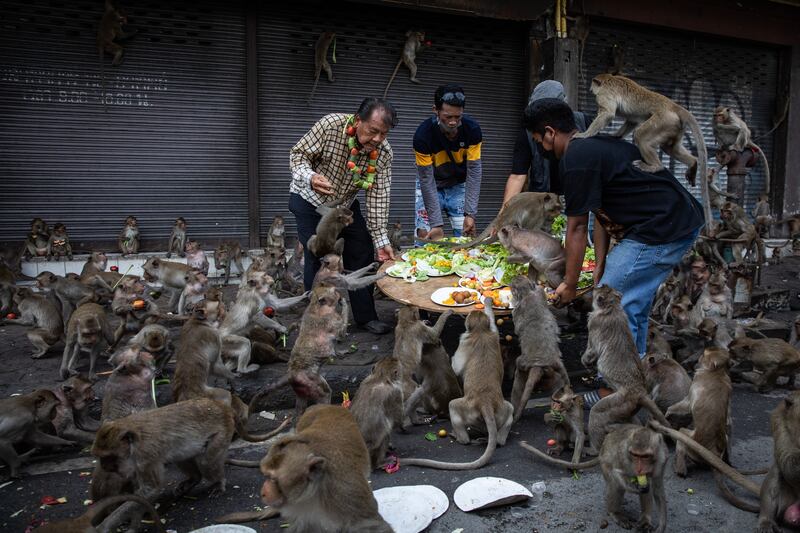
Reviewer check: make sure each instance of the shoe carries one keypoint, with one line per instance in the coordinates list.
(377, 327)
(593, 396)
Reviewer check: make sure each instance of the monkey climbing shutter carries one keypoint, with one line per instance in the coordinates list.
(171, 143)
(485, 56)
(699, 72)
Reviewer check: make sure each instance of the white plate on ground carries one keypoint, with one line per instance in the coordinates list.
(224, 528)
(440, 295)
(485, 492)
(406, 509)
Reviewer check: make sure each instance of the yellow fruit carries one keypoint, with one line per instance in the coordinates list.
(499, 321)
(509, 338)
(442, 433)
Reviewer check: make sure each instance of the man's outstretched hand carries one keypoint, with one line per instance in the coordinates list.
(565, 295)
(386, 253)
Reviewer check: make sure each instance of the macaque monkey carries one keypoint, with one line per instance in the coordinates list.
(566, 420)
(715, 301)
(771, 359)
(321, 325)
(612, 349)
(544, 254)
(396, 236)
(87, 328)
(225, 256)
(793, 224)
(177, 241)
(37, 240)
(378, 408)
(274, 263)
(20, 417)
(96, 266)
(667, 292)
(681, 314)
(633, 459)
(333, 221)
(308, 470)
(667, 381)
(740, 232)
(109, 32)
(707, 247)
(170, 273)
(276, 237)
(294, 269)
(439, 386)
(155, 339)
(133, 307)
(7, 292)
(762, 215)
(413, 46)
(776, 257)
(732, 133)
(321, 60)
(538, 335)
(526, 210)
(794, 334)
(717, 196)
(616, 59)
(58, 244)
(331, 271)
(41, 315)
(129, 388)
(780, 492)
(196, 257)
(658, 123)
(69, 292)
(71, 418)
(477, 360)
(91, 519)
(657, 344)
(128, 240)
(194, 292)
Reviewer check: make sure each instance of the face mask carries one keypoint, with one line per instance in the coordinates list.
(447, 129)
(549, 155)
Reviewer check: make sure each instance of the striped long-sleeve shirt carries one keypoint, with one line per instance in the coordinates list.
(323, 150)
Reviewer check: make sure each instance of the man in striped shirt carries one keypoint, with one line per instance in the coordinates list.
(320, 175)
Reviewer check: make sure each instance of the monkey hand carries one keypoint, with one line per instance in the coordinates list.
(437, 233)
(564, 295)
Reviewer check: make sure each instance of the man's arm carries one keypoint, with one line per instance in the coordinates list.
(472, 191)
(378, 205)
(577, 230)
(514, 186)
(601, 241)
(303, 155)
(427, 184)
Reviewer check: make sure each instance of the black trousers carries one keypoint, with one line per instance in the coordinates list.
(358, 252)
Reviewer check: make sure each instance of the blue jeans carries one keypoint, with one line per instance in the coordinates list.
(451, 202)
(636, 270)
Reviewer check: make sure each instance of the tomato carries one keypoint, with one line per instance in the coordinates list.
(351, 130)
(114, 269)
(370, 169)
(269, 312)
(11, 316)
(551, 442)
(373, 154)
(354, 151)
(351, 165)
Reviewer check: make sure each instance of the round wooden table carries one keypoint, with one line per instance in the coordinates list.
(419, 292)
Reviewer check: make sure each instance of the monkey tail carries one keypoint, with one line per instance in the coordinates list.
(241, 430)
(560, 462)
(266, 390)
(731, 498)
(251, 516)
(396, 68)
(243, 463)
(702, 156)
(99, 510)
(313, 89)
(491, 425)
(709, 457)
(763, 158)
(647, 402)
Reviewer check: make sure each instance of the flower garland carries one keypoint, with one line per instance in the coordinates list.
(362, 177)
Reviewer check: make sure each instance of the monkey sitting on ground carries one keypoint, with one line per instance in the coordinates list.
(333, 221)
(439, 386)
(666, 380)
(71, 420)
(128, 240)
(87, 328)
(771, 359)
(194, 292)
(133, 307)
(37, 240)
(129, 389)
(196, 257)
(155, 339)
(378, 408)
(611, 347)
(41, 315)
(312, 470)
(276, 234)
(177, 240)
(58, 244)
(412, 47)
(632, 459)
(69, 292)
(566, 420)
(544, 254)
(732, 133)
(716, 300)
(20, 417)
(538, 333)
(478, 361)
(169, 273)
(226, 255)
(88, 522)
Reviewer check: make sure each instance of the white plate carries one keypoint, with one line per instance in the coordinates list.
(440, 295)
(505, 295)
(485, 492)
(406, 509)
(224, 528)
(396, 270)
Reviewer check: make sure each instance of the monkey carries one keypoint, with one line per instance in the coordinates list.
(20, 417)
(526, 210)
(108, 33)
(794, 335)
(378, 407)
(793, 224)
(658, 122)
(88, 522)
(580, 32)
(410, 336)
(71, 419)
(37, 240)
(133, 307)
(396, 237)
(681, 313)
(717, 196)
(86, 329)
(333, 221)
(776, 257)
(771, 359)
(544, 254)
(321, 59)
(707, 247)
(667, 292)
(177, 241)
(732, 133)
(632, 459)
(538, 333)
(611, 348)
(716, 300)
(58, 244)
(439, 385)
(740, 232)
(196, 257)
(566, 419)
(128, 240)
(225, 256)
(155, 339)
(667, 381)
(129, 389)
(69, 292)
(321, 323)
(96, 266)
(170, 273)
(7, 292)
(413, 46)
(712, 332)
(42, 316)
(616, 59)
(194, 291)
(657, 344)
(311, 470)
(762, 215)
(477, 360)
(276, 235)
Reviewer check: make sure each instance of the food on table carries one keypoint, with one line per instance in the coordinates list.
(501, 298)
(460, 298)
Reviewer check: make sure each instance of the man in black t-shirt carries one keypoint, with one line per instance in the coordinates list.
(653, 217)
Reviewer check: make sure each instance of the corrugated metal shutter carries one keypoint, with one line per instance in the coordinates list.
(698, 72)
(172, 142)
(485, 56)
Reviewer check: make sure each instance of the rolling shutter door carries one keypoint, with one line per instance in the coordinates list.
(171, 143)
(699, 72)
(485, 56)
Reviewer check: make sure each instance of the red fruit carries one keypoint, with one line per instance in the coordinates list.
(354, 151)
(351, 130)
(370, 169)
(269, 312)
(114, 269)
(11, 316)
(351, 165)
(428, 43)
(551, 442)
(138, 304)
(373, 154)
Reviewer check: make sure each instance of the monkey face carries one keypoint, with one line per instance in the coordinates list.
(344, 216)
(290, 468)
(741, 348)
(605, 297)
(131, 222)
(78, 392)
(180, 223)
(45, 280)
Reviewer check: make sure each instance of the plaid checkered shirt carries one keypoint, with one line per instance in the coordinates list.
(323, 150)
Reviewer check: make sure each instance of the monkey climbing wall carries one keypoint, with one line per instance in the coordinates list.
(698, 72)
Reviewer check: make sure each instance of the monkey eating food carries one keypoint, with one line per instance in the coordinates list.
(41, 315)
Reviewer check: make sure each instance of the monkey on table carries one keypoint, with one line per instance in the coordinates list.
(598, 176)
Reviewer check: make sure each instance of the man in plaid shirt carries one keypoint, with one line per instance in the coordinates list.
(320, 176)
